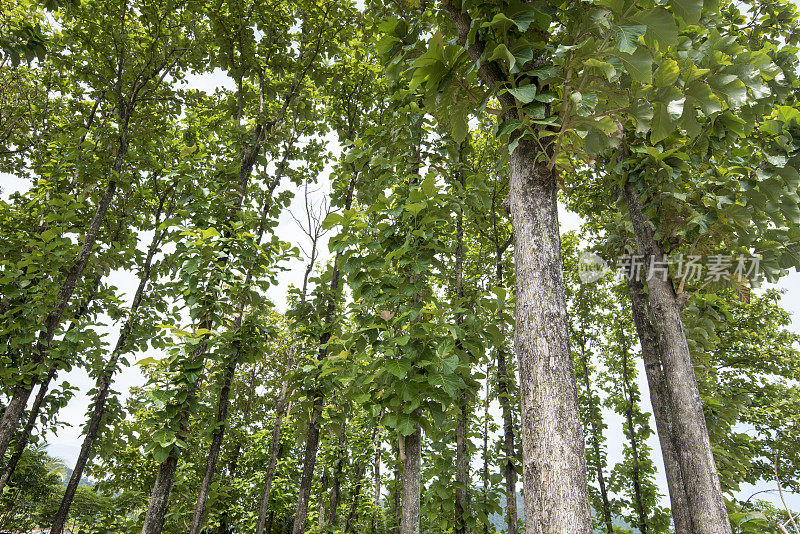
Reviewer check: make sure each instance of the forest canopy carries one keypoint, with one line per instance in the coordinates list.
(426, 349)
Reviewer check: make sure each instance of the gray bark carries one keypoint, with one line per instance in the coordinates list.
(274, 448)
(554, 461)
(679, 502)
(409, 513)
(104, 383)
(706, 504)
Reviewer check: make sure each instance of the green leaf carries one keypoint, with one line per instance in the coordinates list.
(688, 10)
(502, 52)
(666, 74)
(524, 94)
(639, 65)
(398, 368)
(660, 24)
(603, 66)
(662, 125)
(626, 36)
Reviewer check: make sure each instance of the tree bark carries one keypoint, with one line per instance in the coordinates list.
(410, 510)
(503, 393)
(462, 470)
(341, 451)
(22, 391)
(601, 479)
(24, 437)
(274, 448)
(104, 383)
(216, 445)
(554, 461)
(636, 472)
(679, 502)
(706, 503)
(309, 462)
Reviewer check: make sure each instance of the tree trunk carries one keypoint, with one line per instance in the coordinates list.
(312, 440)
(409, 513)
(216, 445)
(237, 450)
(22, 441)
(341, 451)
(601, 479)
(309, 461)
(706, 504)
(679, 502)
(159, 497)
(274, 449)
(376, 468)
(554, 461)
(104, 383)
(22, 391)
(485, 477)
(462, 469)
(636, 472)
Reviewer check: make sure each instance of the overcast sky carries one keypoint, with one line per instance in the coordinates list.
(66, 443)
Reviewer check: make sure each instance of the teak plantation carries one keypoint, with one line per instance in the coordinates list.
(348, 305)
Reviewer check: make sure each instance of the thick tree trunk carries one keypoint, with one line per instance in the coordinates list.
(679, 502)
(601, 479)
(309, 461)
(409, 513)
(706, 503)
(216, 445)
(22, 392)
(554, 461)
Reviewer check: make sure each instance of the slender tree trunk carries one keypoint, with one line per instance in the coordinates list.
(409, 513)
(376, 473)
(33, 415)
(554, 461)
(601, 479)
(274, 449)
(485, 477)
(397, 503)
(462, 446)
(323, 492)
(104, 384)
(352, 516)
(504, 396)
(309, 461)
(679, 502)
(159, 497)
(341, 451)
(636, 471)
(22, 391)
(312, 440)
(216, 445)
(462, 470)
(706, 504)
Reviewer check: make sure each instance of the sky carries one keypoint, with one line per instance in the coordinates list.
(66, 442)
